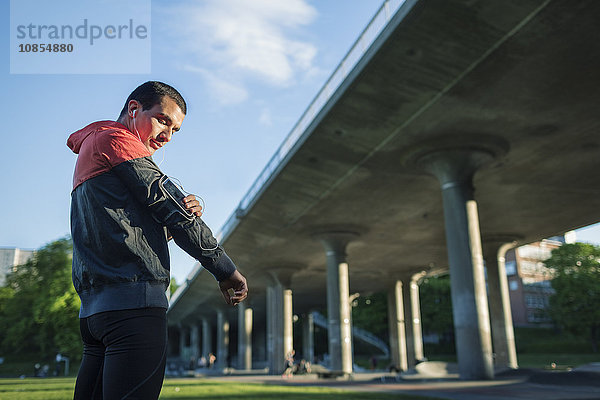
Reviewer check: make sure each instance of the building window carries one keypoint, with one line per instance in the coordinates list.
(511, 267)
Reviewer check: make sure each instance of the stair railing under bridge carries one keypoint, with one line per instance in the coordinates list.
(357, 333)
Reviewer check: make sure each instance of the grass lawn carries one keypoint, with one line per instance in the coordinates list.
(189, 389)
(542, 360)
(561, 360)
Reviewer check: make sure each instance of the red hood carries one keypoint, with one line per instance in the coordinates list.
(77, 138)
(101, 146)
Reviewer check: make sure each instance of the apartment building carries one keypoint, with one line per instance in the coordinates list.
(10, 258)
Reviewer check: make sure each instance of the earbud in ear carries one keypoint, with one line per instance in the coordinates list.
(133, 113)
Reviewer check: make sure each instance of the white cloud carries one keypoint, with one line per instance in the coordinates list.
(245, 39)
(265, 117)
(223, 90)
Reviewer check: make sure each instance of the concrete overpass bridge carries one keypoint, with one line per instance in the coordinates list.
(453, 130)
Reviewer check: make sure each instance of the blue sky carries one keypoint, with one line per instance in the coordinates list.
(247, 68)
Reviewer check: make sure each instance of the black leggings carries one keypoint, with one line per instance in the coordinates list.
(124, 355)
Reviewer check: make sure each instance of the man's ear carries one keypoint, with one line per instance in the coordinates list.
(133, 107)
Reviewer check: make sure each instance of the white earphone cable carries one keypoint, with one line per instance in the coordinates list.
(177, 182)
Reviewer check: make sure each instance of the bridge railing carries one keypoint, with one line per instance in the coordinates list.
(364, 41)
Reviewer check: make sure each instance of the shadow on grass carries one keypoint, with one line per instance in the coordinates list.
(193, 389)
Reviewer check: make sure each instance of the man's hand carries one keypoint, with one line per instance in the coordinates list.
(234, 288)
(193, 205)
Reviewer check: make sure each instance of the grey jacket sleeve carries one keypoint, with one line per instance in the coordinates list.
(142, 177)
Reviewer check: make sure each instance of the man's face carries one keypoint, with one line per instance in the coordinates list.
(156, 125)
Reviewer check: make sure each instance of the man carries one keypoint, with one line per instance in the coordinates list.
(121, 216)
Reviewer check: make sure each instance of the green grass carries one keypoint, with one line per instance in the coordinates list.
(537, 348)
(37, 389)
(543, 361)
(563, 361)
(548, 340)
(188, 389)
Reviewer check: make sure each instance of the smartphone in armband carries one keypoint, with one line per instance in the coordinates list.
(176, 194)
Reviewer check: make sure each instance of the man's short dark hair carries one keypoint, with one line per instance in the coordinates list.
(151, 93)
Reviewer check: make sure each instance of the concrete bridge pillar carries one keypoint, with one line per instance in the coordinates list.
(280, 337)
(222, 340)
(404, 314)
(308, 338)
(416, 327)
(338, 293)
(206, 338)
(396, 325)
(274, 329)
(244, 336)
(183, 340)
(194, 344)
(503, 335)
(453, 160)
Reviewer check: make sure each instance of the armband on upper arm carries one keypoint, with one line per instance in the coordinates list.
(176, 195)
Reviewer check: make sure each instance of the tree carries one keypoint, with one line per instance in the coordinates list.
(174, 286)
(39, 306)
(370, 314)
(575, 306)
(436, 307)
